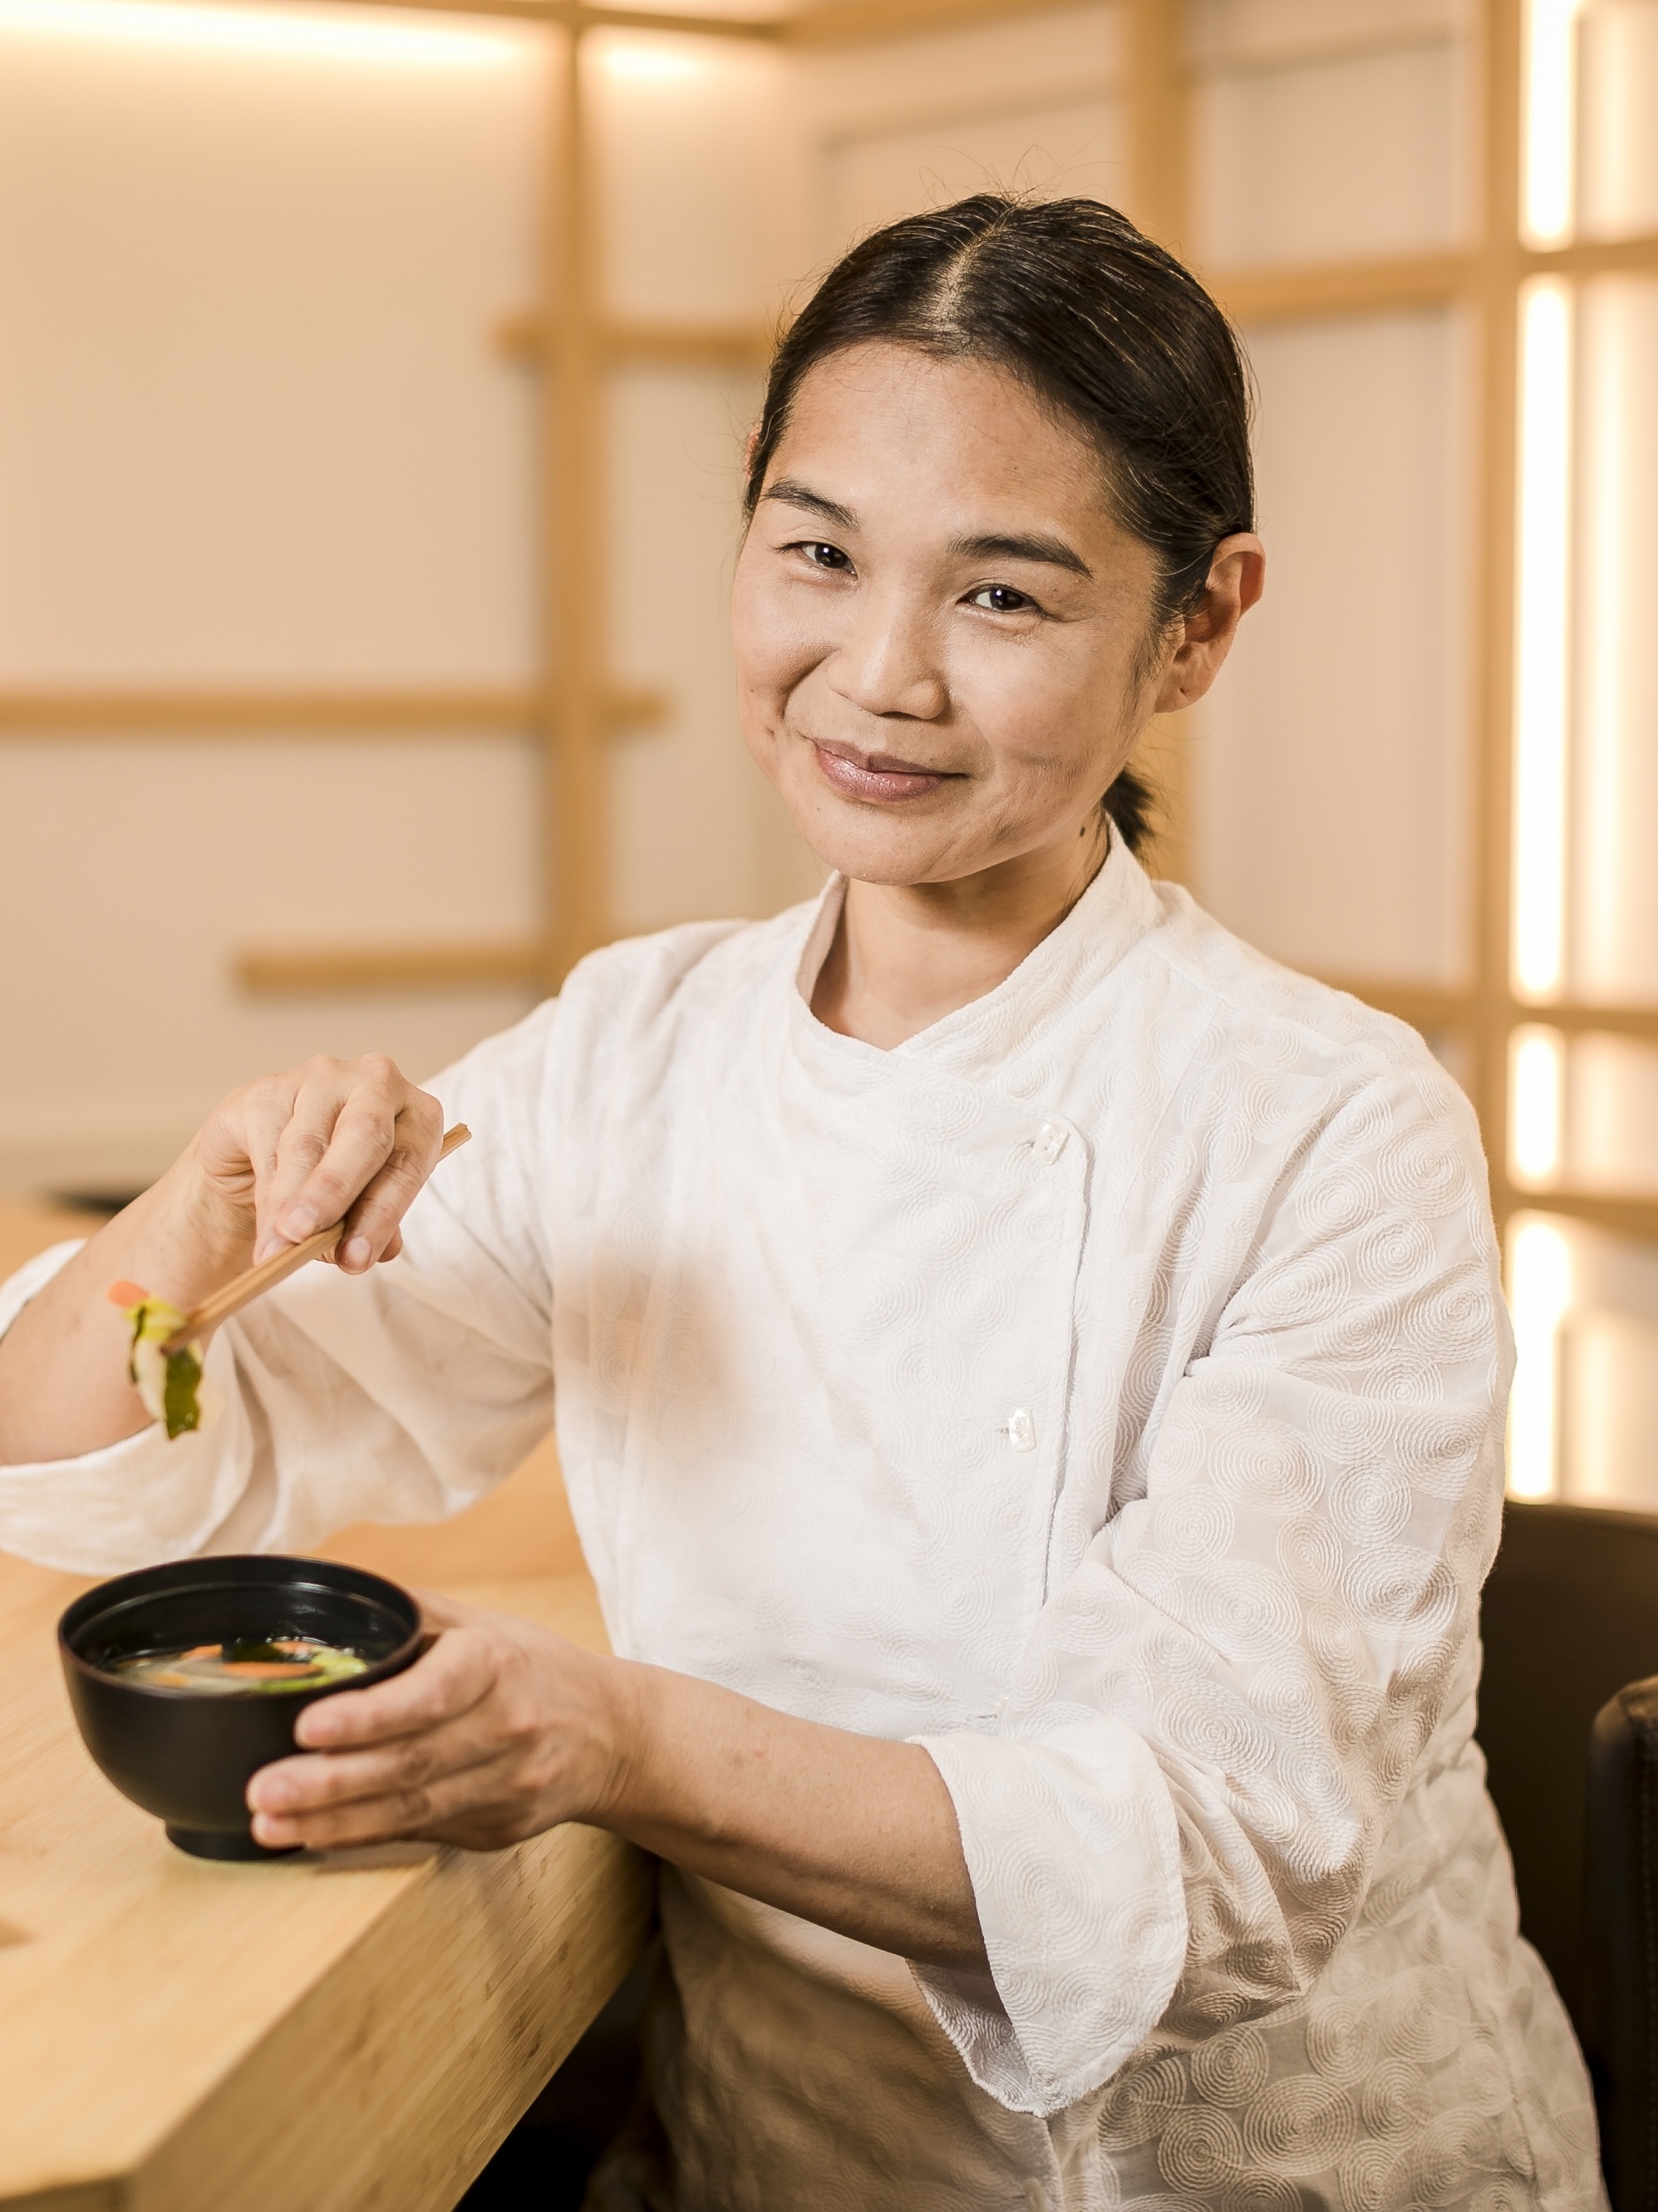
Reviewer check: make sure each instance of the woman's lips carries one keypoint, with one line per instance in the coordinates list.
(879, 777)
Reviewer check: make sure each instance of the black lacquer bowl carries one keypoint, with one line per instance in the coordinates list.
(187, 1756)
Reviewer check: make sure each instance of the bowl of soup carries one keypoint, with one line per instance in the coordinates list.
(186, 1679)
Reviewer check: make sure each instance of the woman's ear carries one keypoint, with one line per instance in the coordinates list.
(1237, 577)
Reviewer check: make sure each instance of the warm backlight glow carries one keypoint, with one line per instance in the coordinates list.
(300, 33)
(1536, 1088)
(1611, 501)
(646, 61)
(1549, 192)
(1539, 1294)
(1542, 646)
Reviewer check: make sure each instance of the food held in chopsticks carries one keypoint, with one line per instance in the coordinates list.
(170, 1383)
(257, 1668)
(163, 1363)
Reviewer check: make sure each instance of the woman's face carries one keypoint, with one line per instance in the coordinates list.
(944, 640)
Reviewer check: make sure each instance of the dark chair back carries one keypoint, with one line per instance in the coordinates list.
(1620, 1965)
(1569, 1624)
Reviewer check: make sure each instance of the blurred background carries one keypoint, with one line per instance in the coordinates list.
(372, 382)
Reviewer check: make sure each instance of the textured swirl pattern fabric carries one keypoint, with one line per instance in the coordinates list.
(1102, 1390)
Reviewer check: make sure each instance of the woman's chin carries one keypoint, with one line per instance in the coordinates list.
(885, 852)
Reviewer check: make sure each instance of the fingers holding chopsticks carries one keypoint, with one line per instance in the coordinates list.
(350, 1141)
(338, 1139)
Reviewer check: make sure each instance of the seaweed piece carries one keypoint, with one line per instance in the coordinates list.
(169, 1383)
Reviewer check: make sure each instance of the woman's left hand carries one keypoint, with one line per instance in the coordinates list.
(503, 1728)
(499, 1730)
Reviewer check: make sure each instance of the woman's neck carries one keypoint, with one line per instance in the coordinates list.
(906, 955)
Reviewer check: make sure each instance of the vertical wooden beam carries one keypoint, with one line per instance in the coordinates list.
(1158, 122)
(577, 841)
(1158, 135)
(1501, 273)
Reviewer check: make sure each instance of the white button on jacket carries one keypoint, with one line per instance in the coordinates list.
(1051, 1141)
(1249, 1922)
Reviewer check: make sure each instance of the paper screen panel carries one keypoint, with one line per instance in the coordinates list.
(1329, 764)
(1614, 915)
(1618, 118)
(252, 428)
(137, 871)
(1304, 152)
(1611, 1114)
(1034, 106)
(1608, 1371)
(698, 182)
(1074, 151)
(961, 76)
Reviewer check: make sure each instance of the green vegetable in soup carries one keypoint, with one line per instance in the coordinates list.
(249, 1667)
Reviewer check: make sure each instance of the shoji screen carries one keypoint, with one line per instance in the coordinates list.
(1585, 1070)
(257, 449)
(1332, 769)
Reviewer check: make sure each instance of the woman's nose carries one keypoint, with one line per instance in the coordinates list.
(888, 663)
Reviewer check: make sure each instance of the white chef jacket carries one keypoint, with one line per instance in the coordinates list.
(1103, 1388)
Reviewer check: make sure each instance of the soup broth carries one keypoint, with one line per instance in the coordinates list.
(257, 1667)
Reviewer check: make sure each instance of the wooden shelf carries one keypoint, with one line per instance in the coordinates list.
(1581, 1019)
(866, 22)
(843, 22)
(1299, 293)
(294, 971)
(523, 337)
(279, 712)
(1627, 1216)
(572, 15)
(1426, 1006)
(1636, 255)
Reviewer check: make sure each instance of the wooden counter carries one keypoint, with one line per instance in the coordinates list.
(319, 2034)
(327, 2034)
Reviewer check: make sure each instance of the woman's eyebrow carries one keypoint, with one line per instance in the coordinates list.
(1053, 551)
(994, 546)
(799, 495)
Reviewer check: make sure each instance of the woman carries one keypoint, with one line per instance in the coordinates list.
(1029, 1372)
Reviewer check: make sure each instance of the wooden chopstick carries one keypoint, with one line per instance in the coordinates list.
(255, 1281)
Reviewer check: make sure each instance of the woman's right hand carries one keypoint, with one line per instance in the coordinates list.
(333, 1140)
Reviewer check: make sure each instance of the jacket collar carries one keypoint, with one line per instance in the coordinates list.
(1116, 910)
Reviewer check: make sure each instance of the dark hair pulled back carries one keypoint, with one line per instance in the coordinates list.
(1101, 323)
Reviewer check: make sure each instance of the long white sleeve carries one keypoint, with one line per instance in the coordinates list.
(400, 1396)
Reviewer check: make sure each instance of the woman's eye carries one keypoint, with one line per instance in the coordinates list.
(1001, 599)
(825, 557)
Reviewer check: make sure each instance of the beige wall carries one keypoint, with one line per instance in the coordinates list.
(252, 433)
(255, 430)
